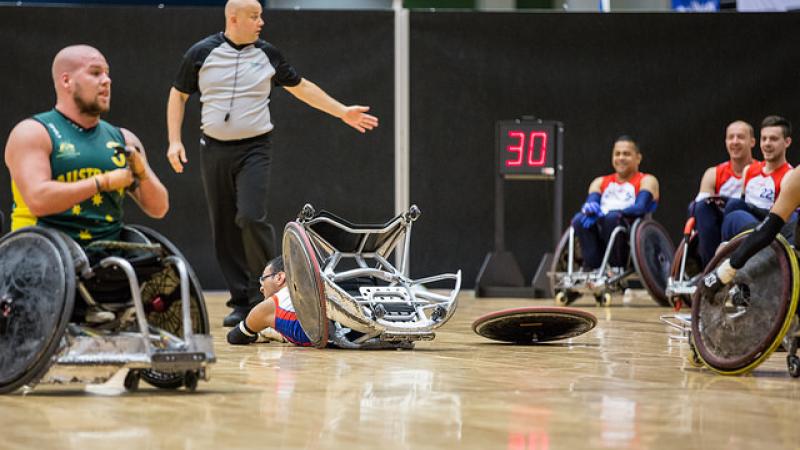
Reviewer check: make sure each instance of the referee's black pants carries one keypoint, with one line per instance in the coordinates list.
(236, 182)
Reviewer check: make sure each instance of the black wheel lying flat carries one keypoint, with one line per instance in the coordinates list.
(692, 267)
(37, 293)
(533, 324)
(652, 251)
(305, 283)
(161, 295)
(738, 328)
(561, 259)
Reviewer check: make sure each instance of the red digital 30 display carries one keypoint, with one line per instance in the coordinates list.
(525, 147)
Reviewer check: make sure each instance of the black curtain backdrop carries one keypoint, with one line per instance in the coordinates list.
(673, 81)
(317, 158)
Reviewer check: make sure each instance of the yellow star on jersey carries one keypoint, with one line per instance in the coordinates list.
(85, 235)
(76, 210)
(97, 199)
(109, 218)
(121, 192)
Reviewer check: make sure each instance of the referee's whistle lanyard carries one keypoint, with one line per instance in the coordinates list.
(233, 93)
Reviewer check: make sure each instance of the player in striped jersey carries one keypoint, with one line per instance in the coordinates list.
(762, 180)
(723, 181)
(275, 313)
(623, 195)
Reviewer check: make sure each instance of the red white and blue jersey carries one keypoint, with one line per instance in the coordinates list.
(728, 184)
(286, 322)
(761, 188)
(617, 195)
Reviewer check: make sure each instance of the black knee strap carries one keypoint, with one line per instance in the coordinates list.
(763, 235)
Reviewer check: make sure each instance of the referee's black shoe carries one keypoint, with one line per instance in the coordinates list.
(236, 316)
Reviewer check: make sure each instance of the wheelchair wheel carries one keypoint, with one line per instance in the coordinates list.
(37, 293)
(652, 251)
(738, 328)
(561, 262)
(161, 295)
(305, 283)
(693, 267)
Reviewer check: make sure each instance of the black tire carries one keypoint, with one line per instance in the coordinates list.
(652, 250)
(305, 283)
(741, 325)
(37, 295)
(162, 300)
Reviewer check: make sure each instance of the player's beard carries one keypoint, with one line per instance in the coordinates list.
(92, 108)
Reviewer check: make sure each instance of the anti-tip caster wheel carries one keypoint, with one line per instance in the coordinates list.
(793, 364)
(132, 381)
(603, 299)
(190, 380)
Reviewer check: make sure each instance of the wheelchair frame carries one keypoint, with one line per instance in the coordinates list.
(86, 354)
(392, 315)
(680, 289)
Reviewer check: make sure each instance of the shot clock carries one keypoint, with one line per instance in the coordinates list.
(526, 148)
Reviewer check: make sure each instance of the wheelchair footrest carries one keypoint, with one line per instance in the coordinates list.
(407, 336)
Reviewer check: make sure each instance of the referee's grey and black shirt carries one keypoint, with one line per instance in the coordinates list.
(236, 80)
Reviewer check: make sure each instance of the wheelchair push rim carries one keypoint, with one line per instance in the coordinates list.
(652, 252)
(740, 327)
(37, 293)
(304, 280)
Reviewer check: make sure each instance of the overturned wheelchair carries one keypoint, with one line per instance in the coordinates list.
(741, 325)
(140, 308)
(648, 262)
(346, 292)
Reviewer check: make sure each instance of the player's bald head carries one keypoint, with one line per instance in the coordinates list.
(232, 7)
(740, 124)
(72, 58)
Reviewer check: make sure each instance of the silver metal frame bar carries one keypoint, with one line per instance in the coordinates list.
(133, 282)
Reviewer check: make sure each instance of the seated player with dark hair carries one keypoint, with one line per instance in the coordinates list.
(720, 183)
(763, 181)
(275, 312)
(623, 195)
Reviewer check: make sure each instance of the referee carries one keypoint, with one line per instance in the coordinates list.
(234, 72)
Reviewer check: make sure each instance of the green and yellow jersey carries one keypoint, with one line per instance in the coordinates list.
(79, 153)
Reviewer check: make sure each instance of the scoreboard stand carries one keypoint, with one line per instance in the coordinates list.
(525, 149)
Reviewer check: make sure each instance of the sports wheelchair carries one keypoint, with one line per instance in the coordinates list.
(741, 325)
(152, 315)
(649, 261)
(346, 292)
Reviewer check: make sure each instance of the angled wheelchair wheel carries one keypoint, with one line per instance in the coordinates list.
(305, 283)
(738, 328)
(37, 294)
(692, 268)
(161, 295)
(561, 262)
(652, 251)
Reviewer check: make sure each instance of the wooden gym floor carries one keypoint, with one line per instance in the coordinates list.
(625, 384)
